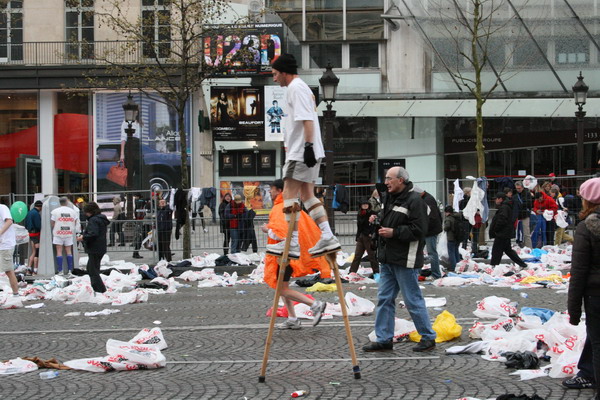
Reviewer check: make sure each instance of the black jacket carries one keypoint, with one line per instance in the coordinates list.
(406, 212)
(94, 235)
(585, 265)
(450, 226)
(434, 216)
(523, 202)
(503, 223)
(463, 202)
(364, 227)
(223, 217)
(164, 219)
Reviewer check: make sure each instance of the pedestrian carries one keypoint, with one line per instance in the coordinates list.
(364, 239)
(116, 225)
(248, 233)
(560, 234)
(33, 224)
(453, 224)
(584, 285)
(400, 253)
(225, 230)
(523, 202)
(434, 228)
(276, 230)
(94, 242)
(164, 227)
(236, 213)
(467, 227)
(142, 208)
(304, 152)
(375, 201)
(8, 241)
(544, 208)
(502, 230)
(65, 225)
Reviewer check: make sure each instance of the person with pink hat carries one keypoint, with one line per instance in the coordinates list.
(584, 285)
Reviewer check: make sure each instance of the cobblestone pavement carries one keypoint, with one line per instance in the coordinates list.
(216, 342)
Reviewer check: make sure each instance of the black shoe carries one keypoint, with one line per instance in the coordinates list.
(110, 244)
(122, 245)
(578, 382)
(378, 346)
(424, 345)
(137, 255)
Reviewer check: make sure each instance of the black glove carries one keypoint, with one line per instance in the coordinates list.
(309, 155)
(574, 319)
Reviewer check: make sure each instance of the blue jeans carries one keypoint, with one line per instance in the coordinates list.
(453, 255)
(434, 259)
(539, 232)
(393, 279)
(236, 240)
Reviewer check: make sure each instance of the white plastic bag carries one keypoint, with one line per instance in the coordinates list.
(561, 219)
(357, 305)
(530, 182)
(402, 330)
(548, 215)
(442, 247)
(152, 336)
(494, 307)
(21, 234)
(17, 366)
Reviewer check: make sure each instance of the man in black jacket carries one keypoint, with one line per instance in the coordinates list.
(502, 230)
(434, 228)
(400, 253)
(523, 202)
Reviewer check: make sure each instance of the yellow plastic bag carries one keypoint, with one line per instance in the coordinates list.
(445, 326)
(321, 287)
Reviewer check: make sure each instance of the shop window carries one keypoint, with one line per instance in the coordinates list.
(572, 51)
(364, 55)
(156, 28)
(323, 53)
(11, 31)
(80, 29)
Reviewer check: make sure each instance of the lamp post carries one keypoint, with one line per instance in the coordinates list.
(131, 110)
(580, 90)
(329, 83)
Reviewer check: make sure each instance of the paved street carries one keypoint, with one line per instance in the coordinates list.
(216, 340)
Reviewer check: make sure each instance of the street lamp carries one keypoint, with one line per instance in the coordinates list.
(580, 90)
(131, 110)
(329, 83)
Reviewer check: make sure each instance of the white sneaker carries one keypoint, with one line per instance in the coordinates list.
(287, 324)
(325, 246)
(318, 308)
(276, 249)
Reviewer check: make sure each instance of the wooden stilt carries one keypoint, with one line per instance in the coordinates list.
(283, 262)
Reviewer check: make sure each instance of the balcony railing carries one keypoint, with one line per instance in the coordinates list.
(93, 53)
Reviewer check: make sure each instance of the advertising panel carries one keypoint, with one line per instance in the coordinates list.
(274, 113)
(237, 113)
(242, 50)
(256, 194)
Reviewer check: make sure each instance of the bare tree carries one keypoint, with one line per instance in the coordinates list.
(160, 54)
(483, 36)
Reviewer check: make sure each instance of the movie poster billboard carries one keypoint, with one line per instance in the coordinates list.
(274, 113)
(256, 194)
(151, 152)
(242, 50)
(237, 113)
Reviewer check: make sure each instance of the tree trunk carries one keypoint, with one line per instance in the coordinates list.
(479, 134)
(187, 253)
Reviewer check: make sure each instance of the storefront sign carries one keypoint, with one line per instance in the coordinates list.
(383, 164)
(242, 50)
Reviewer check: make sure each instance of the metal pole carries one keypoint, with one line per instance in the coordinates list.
(329, 116)
(580, 119)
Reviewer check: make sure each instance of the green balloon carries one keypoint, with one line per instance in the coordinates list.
(18, 211)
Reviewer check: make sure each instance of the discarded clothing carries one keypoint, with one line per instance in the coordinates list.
(521, 360)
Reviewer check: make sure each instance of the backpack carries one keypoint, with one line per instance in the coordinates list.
(459, 229)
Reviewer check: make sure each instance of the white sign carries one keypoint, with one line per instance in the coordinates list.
(522, 172)
(570, 172)
(274, 113)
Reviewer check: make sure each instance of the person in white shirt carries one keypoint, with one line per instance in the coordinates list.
(8, 242)
(65, 224)
(304, 152)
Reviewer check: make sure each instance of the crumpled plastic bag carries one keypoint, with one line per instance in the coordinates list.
(445, 326)
(321, 287)
(17, 366)
(494, 307)
(303, 311)
(521, 360)
(358, 305)
(150, 336)
(402, 329)
(8, 301)
(527, 374)
(125, 356)
(161, 269)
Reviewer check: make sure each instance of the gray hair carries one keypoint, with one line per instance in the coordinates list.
(403, 173)
(63, 201)
(519, 183)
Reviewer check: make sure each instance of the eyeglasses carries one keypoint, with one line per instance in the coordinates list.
(389, 178)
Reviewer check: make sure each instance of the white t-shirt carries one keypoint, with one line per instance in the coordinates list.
(66, 222)
(302, 107)
(125, 125)
(7, 240)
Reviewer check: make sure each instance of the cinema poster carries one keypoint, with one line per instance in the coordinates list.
(242, 50)
(237, 113)
(275, 113)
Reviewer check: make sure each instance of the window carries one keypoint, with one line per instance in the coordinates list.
(323, 53)
(156, 28)
(11, 31)
(364, 55)
(80, 29)
(572, 51)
